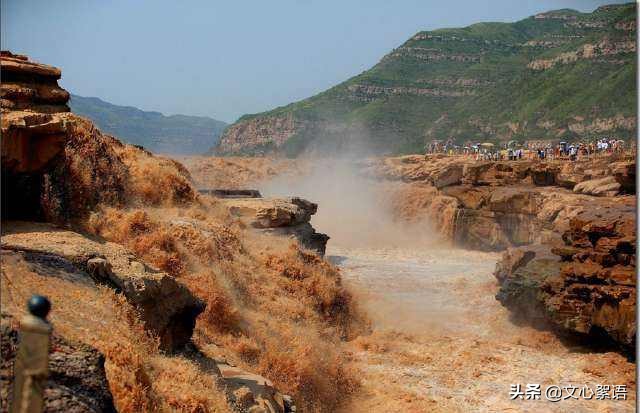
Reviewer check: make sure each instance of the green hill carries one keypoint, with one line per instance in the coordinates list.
(556, 75)
(175, 134)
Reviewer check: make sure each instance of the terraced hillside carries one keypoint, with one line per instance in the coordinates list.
(556, 75)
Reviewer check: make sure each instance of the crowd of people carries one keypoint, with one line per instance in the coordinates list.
(530, 150)
(572, 151)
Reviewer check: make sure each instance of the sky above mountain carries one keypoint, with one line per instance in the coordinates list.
(226, 58)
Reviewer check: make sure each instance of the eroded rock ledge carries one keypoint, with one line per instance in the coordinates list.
(585, 285)
(289, 217)
(567, 229)
(168, 309)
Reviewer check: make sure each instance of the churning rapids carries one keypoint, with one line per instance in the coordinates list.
(441, 342)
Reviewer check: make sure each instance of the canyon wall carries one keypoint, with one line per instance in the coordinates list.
(567, 229)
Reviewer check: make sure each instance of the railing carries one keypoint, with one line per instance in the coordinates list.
(31, 367)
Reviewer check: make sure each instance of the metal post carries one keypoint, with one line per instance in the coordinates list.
(32, 361)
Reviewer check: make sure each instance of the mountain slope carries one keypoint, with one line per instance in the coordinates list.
(556, 75)
(175, 134)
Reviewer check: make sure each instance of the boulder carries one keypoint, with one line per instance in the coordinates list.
(625, 175)
(607, 186)
(288, 217)
(449, 175)
(253, 393)
(272, 212)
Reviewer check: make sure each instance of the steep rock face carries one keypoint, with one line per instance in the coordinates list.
(77, 382)
(258, 135)
(30, 86)
(495, 205)
(30, 98)
(465, 83)
(570, 254)
(167, 308)
(285, 217)
(57, 166)
(585, 285)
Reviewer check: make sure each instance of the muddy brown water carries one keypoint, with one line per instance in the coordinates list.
(442, 342)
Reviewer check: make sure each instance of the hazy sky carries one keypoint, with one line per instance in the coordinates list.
(227, 58)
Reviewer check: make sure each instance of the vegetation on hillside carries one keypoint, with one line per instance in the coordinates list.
(549, 76)
(175, 134)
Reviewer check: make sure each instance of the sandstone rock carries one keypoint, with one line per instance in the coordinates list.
(259, 134)
(469, 196)
(607, 186)
(449, 175)
(566, 252)
(592, 291)
(167, 308)
(550, 208)
(30, 86)
(625, 175)
(254, 393)
(473, 172)
(272, 213)
(586, 286)
(30, 141)
(59, 166)
(288, 217)
(515, 201)
(512, 259)
(569, 180)
(33, 133)
(521, 290)
(544, 175)
(20, 64)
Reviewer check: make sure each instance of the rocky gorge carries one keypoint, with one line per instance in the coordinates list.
(502, 263)
(567, 230)
(315, 266)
